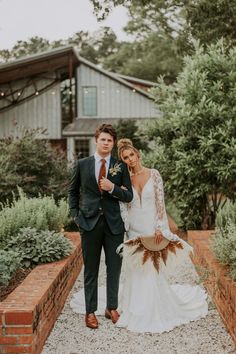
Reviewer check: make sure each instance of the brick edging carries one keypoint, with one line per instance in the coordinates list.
(221, 287)
(28, 314)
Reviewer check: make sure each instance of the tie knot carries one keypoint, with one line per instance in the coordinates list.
(103, 161)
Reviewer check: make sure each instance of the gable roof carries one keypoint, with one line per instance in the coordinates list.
(136, 80)
(64, 60)
(55, 59)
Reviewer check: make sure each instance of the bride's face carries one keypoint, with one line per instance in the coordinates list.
(130, 157)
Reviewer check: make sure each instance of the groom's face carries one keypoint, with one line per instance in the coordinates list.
(105, 143)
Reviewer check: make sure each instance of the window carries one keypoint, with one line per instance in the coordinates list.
(90, 101)
(81, 148)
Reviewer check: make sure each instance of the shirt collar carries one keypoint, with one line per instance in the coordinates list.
(98, 158)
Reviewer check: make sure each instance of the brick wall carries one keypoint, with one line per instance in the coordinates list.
(221, 288)
(28, 314)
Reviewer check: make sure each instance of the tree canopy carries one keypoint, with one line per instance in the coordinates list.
(184, 20)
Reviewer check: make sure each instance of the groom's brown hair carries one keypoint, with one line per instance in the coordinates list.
(106, 128)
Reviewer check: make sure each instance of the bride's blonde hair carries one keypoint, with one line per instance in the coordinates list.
(125, 144)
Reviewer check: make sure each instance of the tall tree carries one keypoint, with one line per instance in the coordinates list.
(32, 46)
(184, 20)
(93, 46)
(210, 20)
(147, 58)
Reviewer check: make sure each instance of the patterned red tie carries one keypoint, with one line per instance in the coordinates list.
(102, 172)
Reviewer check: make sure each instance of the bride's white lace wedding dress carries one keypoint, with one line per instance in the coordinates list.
(147, 302)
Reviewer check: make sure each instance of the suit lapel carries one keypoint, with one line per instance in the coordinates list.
(112, 163)
(91, 172)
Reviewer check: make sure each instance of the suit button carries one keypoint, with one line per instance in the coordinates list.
(99, 208)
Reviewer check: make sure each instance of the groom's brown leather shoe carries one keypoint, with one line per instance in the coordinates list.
(91, 321)
(112, 315)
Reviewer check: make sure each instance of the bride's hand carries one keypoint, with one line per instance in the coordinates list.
(158, 237)
(123, 187)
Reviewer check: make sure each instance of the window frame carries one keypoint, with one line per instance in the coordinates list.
(83, 101)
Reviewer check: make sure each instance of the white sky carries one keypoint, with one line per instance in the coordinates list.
(52, 19)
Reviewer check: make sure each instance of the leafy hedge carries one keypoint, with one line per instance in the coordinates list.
(32, 164)
(194, 141)
(224, 241)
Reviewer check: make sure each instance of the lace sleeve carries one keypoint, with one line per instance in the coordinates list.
(161, 222)
(124, 214)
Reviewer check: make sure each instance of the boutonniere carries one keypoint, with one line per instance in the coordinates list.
(115, 169)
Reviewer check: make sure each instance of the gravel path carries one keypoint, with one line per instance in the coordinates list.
(205, 336)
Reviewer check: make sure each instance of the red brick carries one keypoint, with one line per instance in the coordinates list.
(19, 318)
(19, 330)
(8, 340)
(17, 349)
(25, 339)
(218, 283)
(44, 291)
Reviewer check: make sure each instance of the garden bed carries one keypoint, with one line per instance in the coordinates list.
(15, 281)
(220, 286)
(28, 314)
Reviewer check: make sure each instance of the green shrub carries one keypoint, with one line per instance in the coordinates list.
(224, 241)
(32, 164)
(36, 247)
(224, 247)
(194, 144)
(42, 213)
(10, 261)
(225, 215)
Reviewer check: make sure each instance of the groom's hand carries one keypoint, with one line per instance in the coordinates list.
(158, 237)
(106, 185)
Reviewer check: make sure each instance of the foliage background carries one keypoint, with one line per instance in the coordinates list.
(33, 165)
(194, 142)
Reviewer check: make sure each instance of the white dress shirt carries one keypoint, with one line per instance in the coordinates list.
(98, 162)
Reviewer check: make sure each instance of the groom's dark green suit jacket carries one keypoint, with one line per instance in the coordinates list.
(87, 203)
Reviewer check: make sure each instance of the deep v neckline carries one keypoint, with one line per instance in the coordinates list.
(140, 194)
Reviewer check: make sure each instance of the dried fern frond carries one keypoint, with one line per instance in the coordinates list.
(146, 255)
(156, 259)
(164, 255)
(140, 248)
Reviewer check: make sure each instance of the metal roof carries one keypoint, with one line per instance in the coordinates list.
(87, 126)
(60, 59)
(55, 59)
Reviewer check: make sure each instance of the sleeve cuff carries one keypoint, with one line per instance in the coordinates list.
(112, 189)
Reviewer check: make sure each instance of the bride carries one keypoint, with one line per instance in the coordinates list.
(147, 302)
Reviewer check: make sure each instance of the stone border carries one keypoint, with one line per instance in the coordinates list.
(28, 314)
(221, 288)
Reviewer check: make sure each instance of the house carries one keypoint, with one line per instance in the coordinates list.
(68, 96)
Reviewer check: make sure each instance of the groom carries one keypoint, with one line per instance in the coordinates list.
(94, 195)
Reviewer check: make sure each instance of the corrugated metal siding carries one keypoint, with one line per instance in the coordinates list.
(42, 111)
(114, 99)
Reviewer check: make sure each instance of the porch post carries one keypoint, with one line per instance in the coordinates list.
(70, 149)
